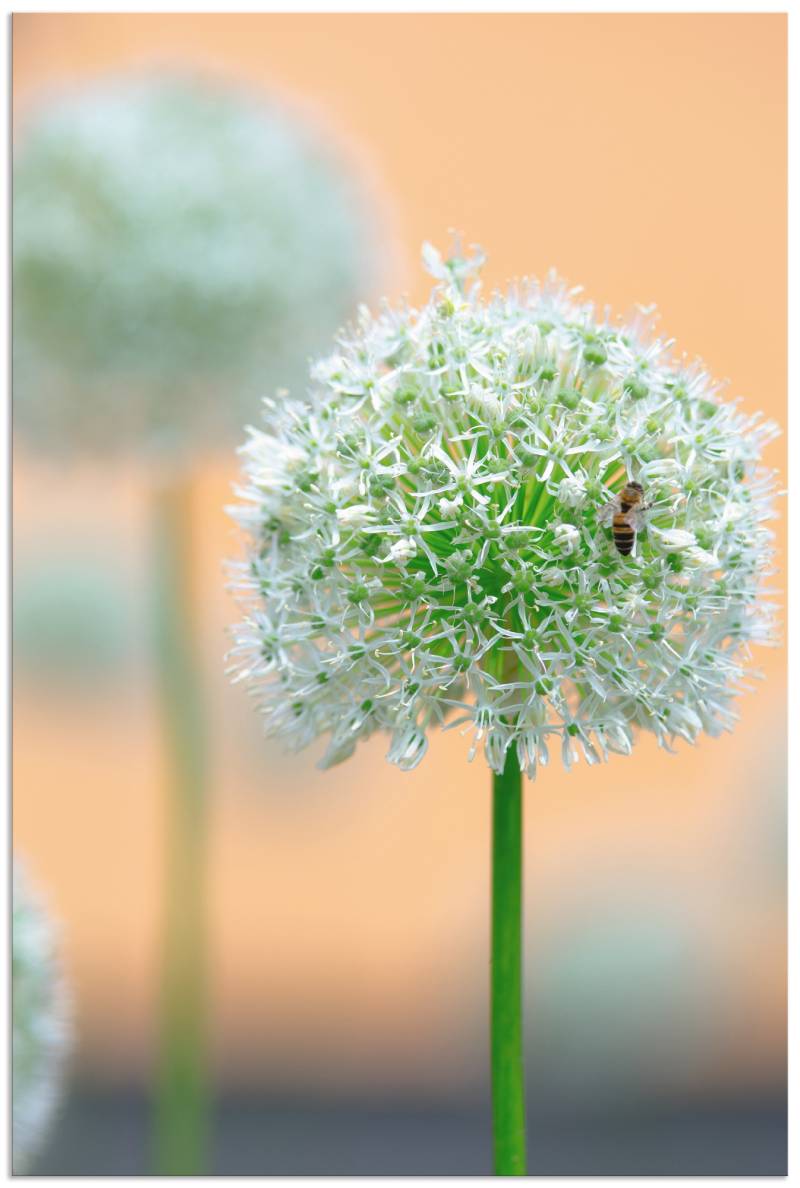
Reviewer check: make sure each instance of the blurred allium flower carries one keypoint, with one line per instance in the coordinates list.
(41, 1028)
(426, 544)
(177, 246)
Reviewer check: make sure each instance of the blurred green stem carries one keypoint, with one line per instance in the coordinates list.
(508, 1081)
(182, 1090)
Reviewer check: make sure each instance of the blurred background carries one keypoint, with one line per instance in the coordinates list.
(644, 156)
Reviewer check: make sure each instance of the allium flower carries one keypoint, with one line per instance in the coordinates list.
(41, 1029)
(439, 556)
(177, 245)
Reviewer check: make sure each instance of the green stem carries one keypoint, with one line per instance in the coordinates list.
(508, 1081)
(182, 1091)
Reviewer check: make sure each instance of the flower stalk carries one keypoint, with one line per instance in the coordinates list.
(182, 1089)
(508, 1077)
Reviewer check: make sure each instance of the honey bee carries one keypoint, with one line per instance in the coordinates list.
(626, 513)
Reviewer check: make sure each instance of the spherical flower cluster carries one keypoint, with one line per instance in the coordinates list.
(430, 545)
(177, 244)
(41, 1030)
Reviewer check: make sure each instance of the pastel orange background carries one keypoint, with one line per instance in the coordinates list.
(645, 157)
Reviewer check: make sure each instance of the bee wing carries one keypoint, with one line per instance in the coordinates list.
(609, 510)
(636, 518)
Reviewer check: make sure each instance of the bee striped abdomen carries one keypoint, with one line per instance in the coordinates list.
(624, 534)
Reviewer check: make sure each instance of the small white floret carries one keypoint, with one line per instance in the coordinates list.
(675, 539)
(553, 576)
(292, 457)
(449, 507)
(355, 516)
(567, 538)
(702, 559)
(572, 491)
(403, 550)
(409, 744)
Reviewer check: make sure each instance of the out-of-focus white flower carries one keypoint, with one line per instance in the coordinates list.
(41, 1024)
(181, 246)
(483, 588)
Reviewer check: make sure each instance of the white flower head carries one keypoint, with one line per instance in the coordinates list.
(445, 554)
(41, 1024)
(181, 246)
